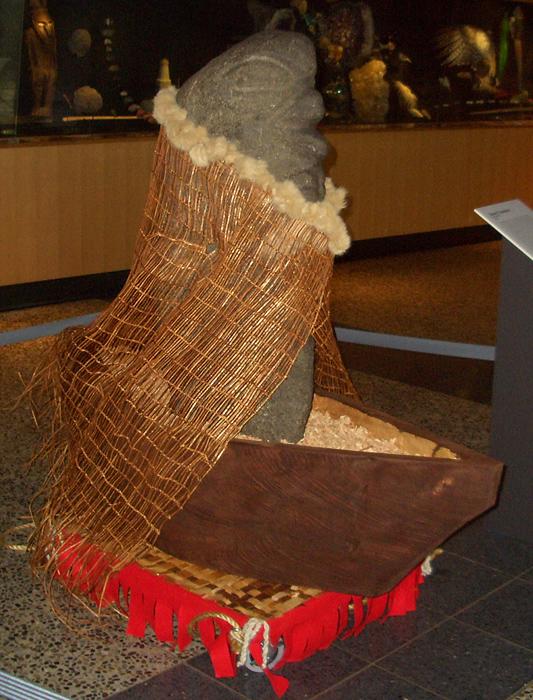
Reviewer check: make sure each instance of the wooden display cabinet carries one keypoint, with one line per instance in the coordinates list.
(72, 206)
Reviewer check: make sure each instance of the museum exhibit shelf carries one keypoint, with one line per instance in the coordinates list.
(75, 165)
(72, 205)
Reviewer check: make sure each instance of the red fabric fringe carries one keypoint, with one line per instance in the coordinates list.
(151, 599)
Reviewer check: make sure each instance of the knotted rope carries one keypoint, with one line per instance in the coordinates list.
(240, 637)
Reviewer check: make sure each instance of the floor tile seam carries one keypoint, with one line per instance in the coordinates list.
(412, 639)
(526, 572)
(497, 636)
(369, 666)
(413, 682)
(366, 667)
(485, 595)
(214, 679)
(479, 563)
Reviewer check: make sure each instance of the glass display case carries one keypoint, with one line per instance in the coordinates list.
(92, 66)
(11, 24)
(417, 61)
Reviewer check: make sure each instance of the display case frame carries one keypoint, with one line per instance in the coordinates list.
(11, 28)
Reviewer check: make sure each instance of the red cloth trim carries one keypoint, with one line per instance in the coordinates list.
(151, 599)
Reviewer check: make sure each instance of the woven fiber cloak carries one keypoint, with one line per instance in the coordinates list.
(230, 278)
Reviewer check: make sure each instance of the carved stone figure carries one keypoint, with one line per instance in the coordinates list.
(230, 279)
(261, 95)
(40, 42)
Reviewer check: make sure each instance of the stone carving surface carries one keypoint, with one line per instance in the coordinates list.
(261, 95)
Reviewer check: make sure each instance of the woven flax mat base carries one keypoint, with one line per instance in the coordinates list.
(249, 596)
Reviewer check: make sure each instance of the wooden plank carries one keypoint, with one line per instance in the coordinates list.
(71, 208)
(413, 180)
(331, 519)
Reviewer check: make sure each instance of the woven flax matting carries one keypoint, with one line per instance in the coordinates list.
(249, 596)
(224, 292)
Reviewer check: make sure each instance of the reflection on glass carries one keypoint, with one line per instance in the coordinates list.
(92, 66)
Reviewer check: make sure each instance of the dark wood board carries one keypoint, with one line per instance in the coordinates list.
(341, 521)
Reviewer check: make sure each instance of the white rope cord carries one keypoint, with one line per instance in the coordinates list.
(240, 637)
(247, 634)
(427, 568)
(427, 564)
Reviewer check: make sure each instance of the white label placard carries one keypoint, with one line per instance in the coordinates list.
(514, 220)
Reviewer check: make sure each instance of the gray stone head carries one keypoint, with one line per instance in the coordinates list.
(261, 95)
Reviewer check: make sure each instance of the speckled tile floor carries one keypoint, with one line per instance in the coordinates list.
(21, 318)
(469, 640)
(444, 293)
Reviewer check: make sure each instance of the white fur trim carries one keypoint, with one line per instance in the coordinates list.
(204, 149)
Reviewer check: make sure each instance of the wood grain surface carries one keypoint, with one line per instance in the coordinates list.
(426, 179)
(73, 207)
(341, 521)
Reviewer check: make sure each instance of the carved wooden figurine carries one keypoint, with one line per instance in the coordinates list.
(40, 40)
